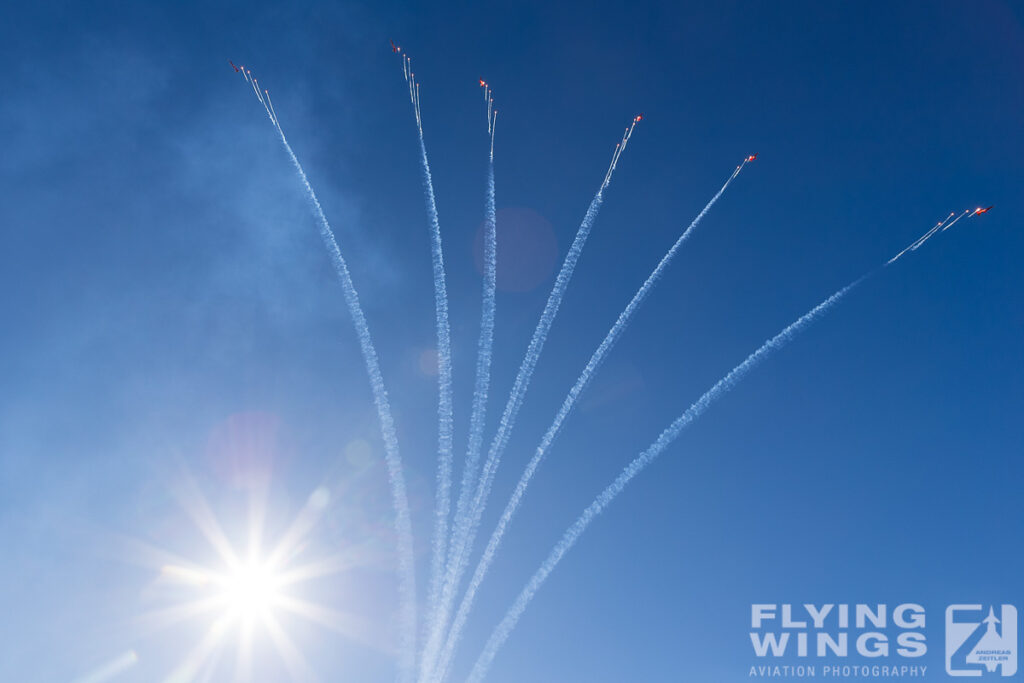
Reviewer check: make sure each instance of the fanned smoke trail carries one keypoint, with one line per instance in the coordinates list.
(451, 556)
(567, 405)
(572, 534)
(465, 532)
(484, 351)
(392, 458)
(444, 374)
(442, 502)
(483, 367)
(487, 317)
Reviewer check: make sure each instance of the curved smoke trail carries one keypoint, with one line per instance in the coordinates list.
(581, 383)
(466, 529)
(400, 499)
(477, 420)
(487, 316)
(435, 628)
(484, 352)
(572, 534)
(442, 504)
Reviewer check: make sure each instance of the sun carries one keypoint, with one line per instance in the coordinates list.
(242, 593)
(245, 594)
(251, 590)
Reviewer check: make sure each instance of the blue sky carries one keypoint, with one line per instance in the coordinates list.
(168, 308)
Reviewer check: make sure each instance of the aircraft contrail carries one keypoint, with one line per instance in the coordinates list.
(392, 457)
(483, 366)
(487, 318)
(393, 460)
(572, 534)
(442, 502)
(945, 226)
(591, 368)
(916, 244)
(924, 238)
(451, 555)
(484, 351)
(270, 105)
(494, 123)
(465, 532)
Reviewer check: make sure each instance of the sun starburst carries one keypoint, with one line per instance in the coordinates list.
(245, 594)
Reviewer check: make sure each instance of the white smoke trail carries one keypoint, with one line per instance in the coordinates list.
(946, 219)
(392, 458)
(940, 224)
(611, 165)
(916, 244)
(483, 378)
(570, 401)
(950, 225)
(442, 503)
(419, 115)
(465, 530)
(484, 351)
(572, 534)
(273, 113)
(493, 124)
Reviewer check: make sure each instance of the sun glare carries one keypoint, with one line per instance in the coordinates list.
(252, 590)
(248, 596)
